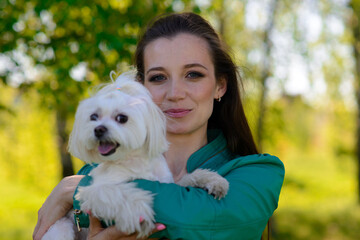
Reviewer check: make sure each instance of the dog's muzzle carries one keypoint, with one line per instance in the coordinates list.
(106, 147)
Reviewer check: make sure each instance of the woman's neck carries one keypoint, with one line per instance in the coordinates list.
(182, 146)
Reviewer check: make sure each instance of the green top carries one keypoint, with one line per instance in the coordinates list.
(191, 213)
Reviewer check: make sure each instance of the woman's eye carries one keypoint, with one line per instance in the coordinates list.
(94, 117)
(194, 75)
(121, 118)
(157, 78)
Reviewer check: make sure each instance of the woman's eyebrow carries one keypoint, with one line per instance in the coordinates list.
(195, 65)
(155, 69)
(190, 65)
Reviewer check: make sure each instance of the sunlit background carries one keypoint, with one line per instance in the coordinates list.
(300, 61)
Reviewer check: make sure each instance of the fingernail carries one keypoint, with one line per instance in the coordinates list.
(160, 227)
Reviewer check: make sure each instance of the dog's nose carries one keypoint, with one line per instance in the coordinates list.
(100, 131)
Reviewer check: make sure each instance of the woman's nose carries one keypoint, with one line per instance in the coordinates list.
(176, 90)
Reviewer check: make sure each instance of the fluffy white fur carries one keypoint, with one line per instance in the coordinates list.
(123, 130)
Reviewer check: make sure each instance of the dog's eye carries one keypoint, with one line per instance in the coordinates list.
(121, 118)
(94, 117)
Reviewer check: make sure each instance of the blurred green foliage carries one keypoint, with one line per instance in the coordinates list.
(58, 37)
(315, 137)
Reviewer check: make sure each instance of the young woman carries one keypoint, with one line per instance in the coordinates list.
(182, 62)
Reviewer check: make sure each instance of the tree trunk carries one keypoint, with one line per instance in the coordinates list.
(221, 16)
(356, 48)
(66, 163)
(265, 73)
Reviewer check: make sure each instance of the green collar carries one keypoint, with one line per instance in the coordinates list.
(81, 219)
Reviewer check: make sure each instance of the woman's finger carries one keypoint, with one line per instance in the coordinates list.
(36, 230)
(97, 232)
(95, 226)
(158, 227)
(41, 226)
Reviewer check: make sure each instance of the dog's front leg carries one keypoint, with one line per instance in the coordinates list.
(211, 181)
(123, 203)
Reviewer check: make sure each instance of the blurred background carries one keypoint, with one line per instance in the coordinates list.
(300, 60)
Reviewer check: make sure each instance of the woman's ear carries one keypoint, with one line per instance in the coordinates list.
(221, 87)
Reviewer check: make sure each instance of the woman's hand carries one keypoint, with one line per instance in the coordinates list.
(57, 204)
(97, 232)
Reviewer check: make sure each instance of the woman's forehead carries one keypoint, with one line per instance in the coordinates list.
(181, 49)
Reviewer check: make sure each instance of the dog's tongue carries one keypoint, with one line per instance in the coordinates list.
(106, 147)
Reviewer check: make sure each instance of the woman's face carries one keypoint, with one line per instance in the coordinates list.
(180, 75)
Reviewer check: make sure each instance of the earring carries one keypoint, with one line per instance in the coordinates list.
(218, 99)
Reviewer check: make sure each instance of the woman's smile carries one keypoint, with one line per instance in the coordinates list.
(177, 112)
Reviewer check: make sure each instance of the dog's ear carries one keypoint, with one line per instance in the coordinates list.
(75, 135)
(156, 130)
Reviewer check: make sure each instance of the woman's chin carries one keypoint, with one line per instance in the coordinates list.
(184, 130)
(176, 131)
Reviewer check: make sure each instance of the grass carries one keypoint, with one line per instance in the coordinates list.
(318, 200)
(18, 210)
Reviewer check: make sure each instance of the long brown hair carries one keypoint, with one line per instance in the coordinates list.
(228, 114)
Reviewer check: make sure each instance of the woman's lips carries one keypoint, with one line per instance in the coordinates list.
(177, 113)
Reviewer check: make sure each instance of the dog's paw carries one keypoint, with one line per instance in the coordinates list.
(211, 181)
(218, 187)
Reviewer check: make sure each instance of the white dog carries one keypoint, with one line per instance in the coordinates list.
(123, 130)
